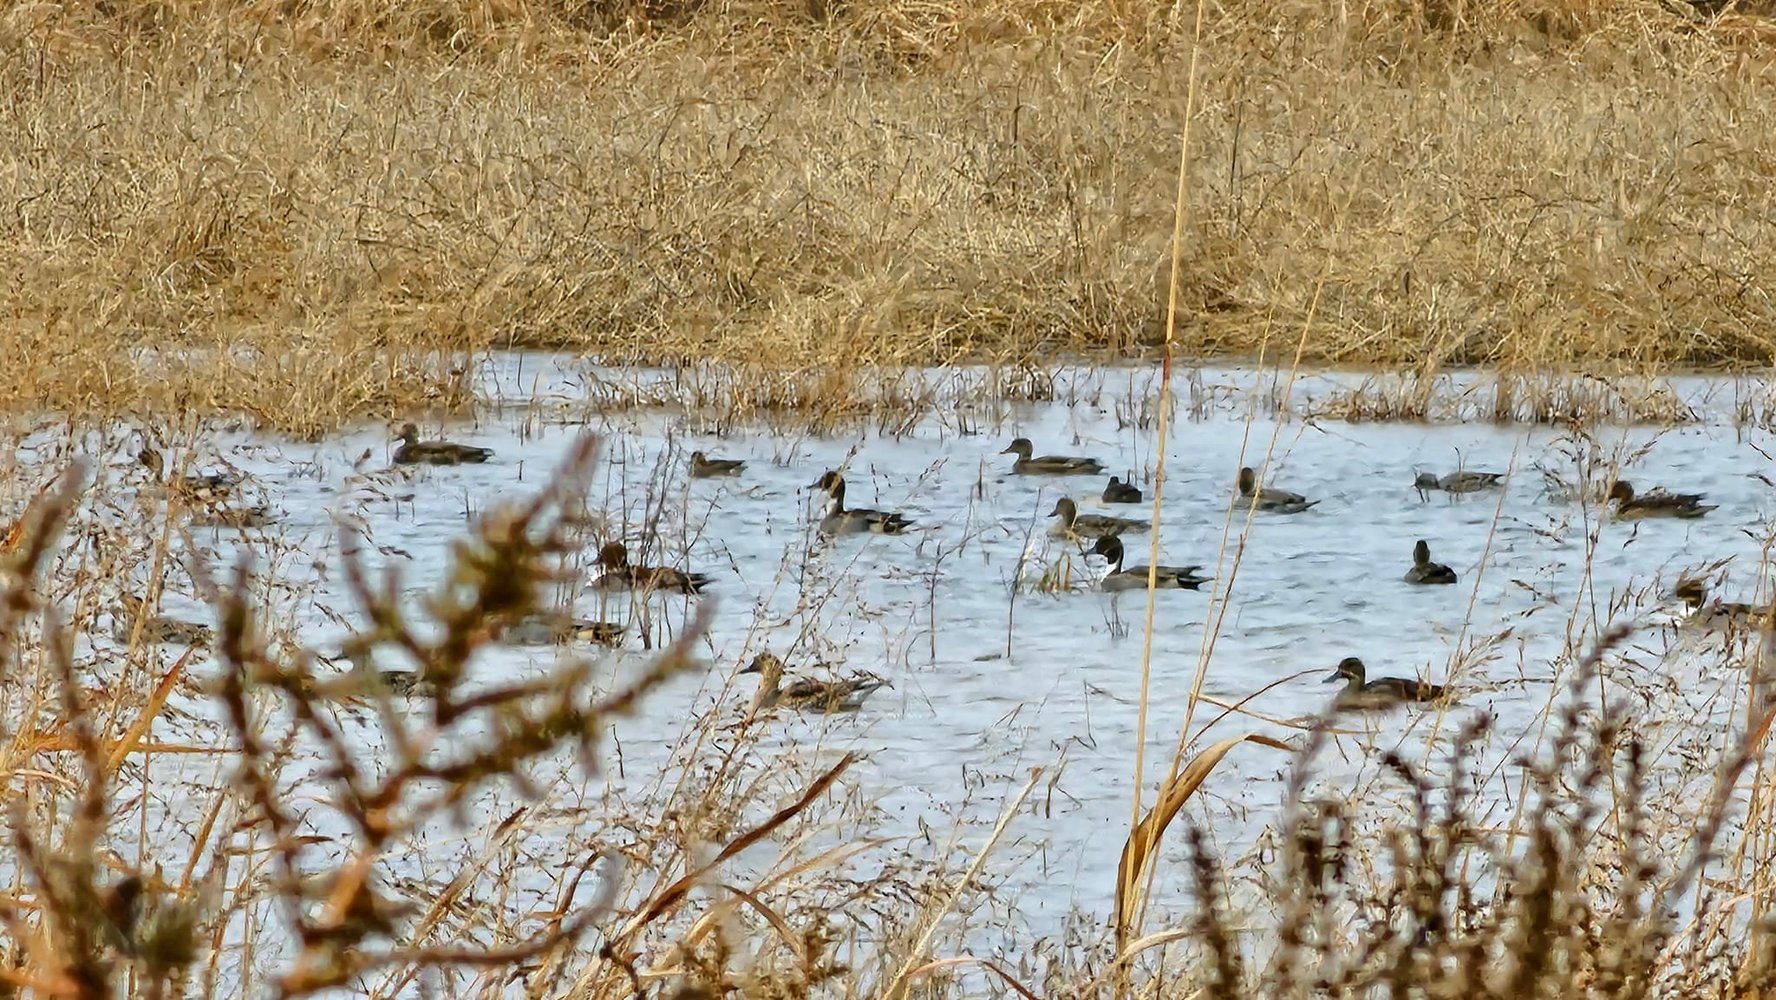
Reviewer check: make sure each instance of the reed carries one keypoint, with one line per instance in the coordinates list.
(311, 215)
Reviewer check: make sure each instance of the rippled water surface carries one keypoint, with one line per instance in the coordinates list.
(990, 676)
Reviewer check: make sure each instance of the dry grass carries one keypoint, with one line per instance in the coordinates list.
(297, 840)
(330, 202)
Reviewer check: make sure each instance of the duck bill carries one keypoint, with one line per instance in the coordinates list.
(1337, 675)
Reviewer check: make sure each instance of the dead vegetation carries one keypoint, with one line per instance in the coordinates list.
(313, 212)
(1613, 874)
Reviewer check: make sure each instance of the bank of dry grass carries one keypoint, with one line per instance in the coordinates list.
(331, 200)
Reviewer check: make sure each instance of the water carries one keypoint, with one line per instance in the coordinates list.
(986, 685)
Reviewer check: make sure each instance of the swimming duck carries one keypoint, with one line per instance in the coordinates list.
(619, 575)
(808, 695)
(1117, 491)
(1268, 499)
(200, 487)
(1425, 571)
(861, 520)
(1658, 503)
(1382, 692)
(229, 515)
(556, 628)
(413, 451)
(1049, 465)
(1135, 577)
(1456, 482)
(1732, 614)
(1089, 525)
(704, 467)
(159, 629)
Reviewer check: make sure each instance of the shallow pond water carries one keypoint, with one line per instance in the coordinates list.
(992, 676)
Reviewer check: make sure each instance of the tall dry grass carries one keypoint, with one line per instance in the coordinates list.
(305, 213)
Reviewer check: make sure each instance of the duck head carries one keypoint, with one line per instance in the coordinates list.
(1065, 509)
(613, 554)
(1622, 491)
(1110, 547)
(1349, 669)
(1021, 447)
(764, 663)
(409, 433)
(1421, 553)
(1248, 481)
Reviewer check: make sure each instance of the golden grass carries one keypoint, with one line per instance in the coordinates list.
(317, 208)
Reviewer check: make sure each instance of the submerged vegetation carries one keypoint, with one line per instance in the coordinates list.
(309, 212)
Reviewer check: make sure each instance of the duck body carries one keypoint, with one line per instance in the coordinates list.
(158, 629)
(1658, 503)
(1424, 571)
(859, 520)
(1135, 577)
(704, 467)
(198, 487)
(1029, 464)
(1456, 482)
(1730, 615)
(806, 694)
(413, 451)
(620, 575)
(1359, 693)
(556, 628)
(1117, 491)
(1075, 524)
(1268, 499)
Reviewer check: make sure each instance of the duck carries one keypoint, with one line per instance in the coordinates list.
(1074, 523)
(1049, 465)
(200, 487)
(806, 694)
(1268, 499)
(1731, 614)
(413, 451)
(1135, 577)
(233, 515)
(1658, 503)
(1117, 491)
(159, 629)
(1456, 482)
(860, 520)
(1425, 571)
(556, 628)
(704, 467)
(620, 575)
(1360, 693)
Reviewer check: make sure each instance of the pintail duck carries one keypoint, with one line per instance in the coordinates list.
(233, 515)
(1049, 465)
(158, 629)
(1382, 692)
(859, 520)
(1268, 499)
(1425, 571)
(199, 487)
(1456, 482)
(1074, 523)
(413, 451)
(557, 628)
(704, 467)
(1658, 503)
(805, 694)
(620, 575)
(1719, 613)
(1135, 577)
(1117, 491)
(357, 685)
